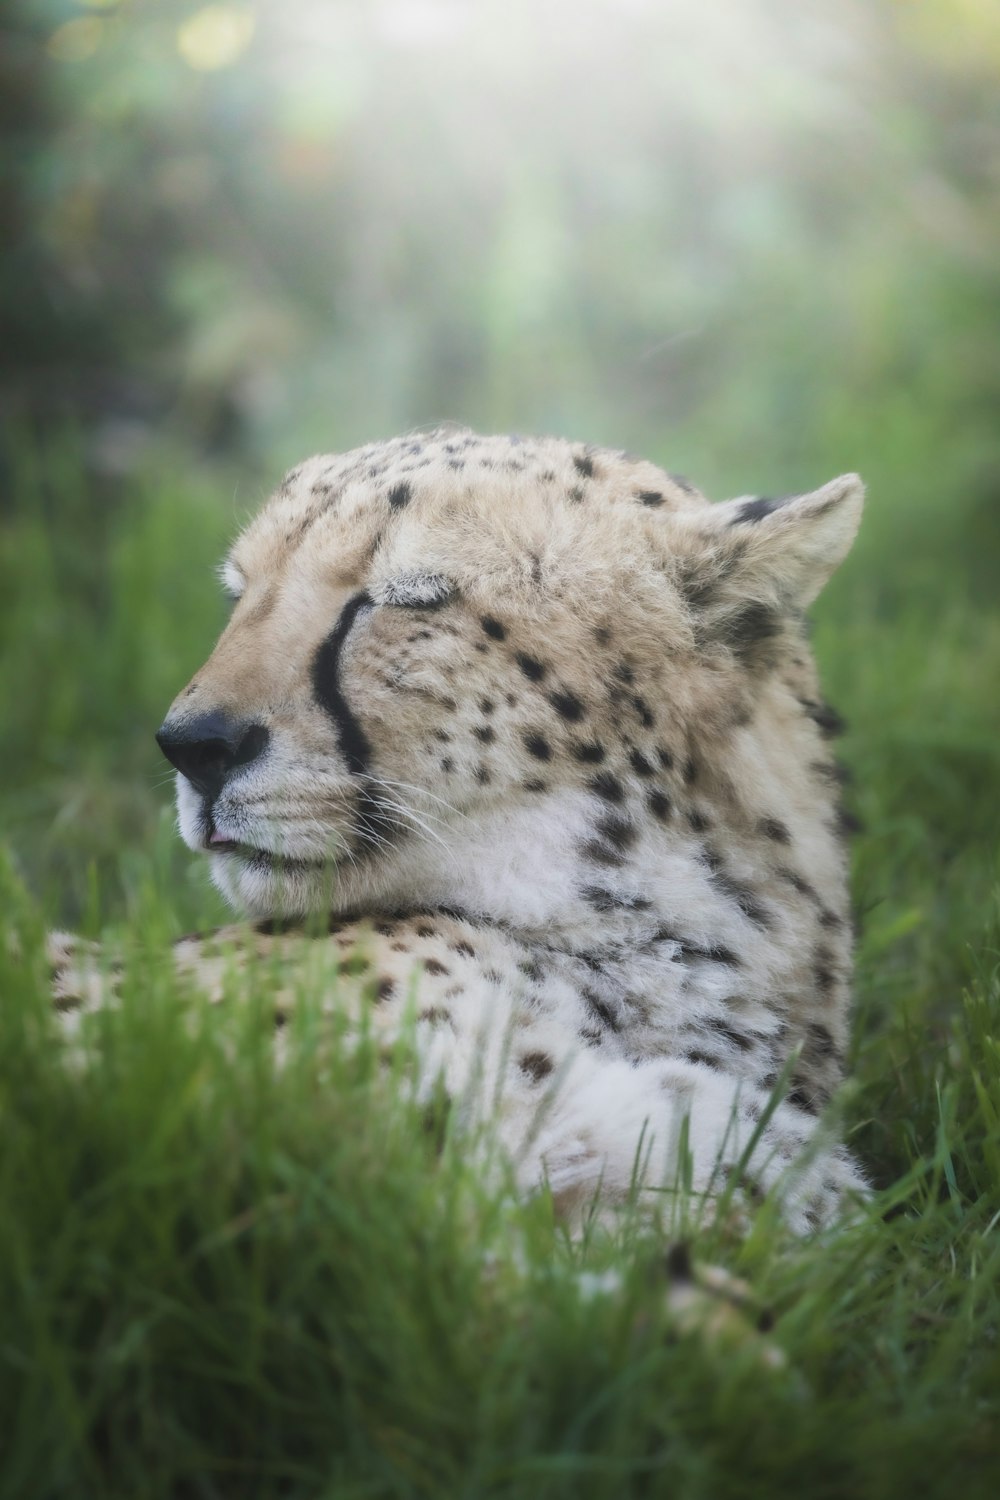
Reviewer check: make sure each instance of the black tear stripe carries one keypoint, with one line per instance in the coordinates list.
(325, 676)
(372, 825)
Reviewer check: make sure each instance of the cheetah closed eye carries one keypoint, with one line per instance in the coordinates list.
(541, 722)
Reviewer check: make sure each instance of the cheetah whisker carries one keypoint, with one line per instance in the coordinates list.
(400, 810)
(407, 786)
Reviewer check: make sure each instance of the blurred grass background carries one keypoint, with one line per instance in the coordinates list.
(758, 240)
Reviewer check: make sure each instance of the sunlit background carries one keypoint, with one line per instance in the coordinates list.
(756, 240)
(752, 237)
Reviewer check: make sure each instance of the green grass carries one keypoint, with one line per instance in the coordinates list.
(218, 1282)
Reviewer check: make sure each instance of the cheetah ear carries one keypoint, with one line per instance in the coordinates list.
(793, 544)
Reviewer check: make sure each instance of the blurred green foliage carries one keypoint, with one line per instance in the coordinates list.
(741, 234)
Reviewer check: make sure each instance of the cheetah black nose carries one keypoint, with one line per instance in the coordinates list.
(208, 748)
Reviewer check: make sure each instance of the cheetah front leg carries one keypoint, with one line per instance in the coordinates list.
(667, 1125)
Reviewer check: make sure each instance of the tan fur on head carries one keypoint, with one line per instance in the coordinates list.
(589, 552)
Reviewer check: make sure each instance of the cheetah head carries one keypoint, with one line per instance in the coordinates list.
(451, 657)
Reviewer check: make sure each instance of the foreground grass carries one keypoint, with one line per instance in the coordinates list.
(217, 1282)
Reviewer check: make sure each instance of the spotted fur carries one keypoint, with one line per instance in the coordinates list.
(538, 723)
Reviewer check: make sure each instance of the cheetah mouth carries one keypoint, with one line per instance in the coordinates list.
(255, 856)
(265, 859)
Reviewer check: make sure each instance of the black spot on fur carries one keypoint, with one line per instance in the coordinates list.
(665, 758)
(538, 746)
(590, 755)
(602, 635)
(827, 719)
(354, 963)
(658, 803)
(486, 705)
(755, 510)
(575, 493)
(697, 820)
(485, 733)
(820, 1040)
(775, 830)
(607, 786)
(537, 1065)
(739, 1039)
(649, 497)
(832, 772)
(493, 628)
(644, 711)
(615, 836)
(640, 764)
(716, 953)
(584, 464)
(690, 771)
(435, 966)
(848, 823)
(600, 1009)
(742, 895)
(602, 854)
(400, 495)
(531, 969)
(798, 883)
(384, 990)
(823, 970)
(604, 900)
(435, 1015)
(464, 948)
(693, 1055)
(801, 1099)
(532, 668)
(567, 705)
(746, 629)
(536, 786)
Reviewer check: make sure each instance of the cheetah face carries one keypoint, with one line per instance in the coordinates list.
(430, 630)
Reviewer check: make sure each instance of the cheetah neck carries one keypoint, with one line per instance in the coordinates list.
(553, 876)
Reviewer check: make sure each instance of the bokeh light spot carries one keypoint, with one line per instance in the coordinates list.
(215, 37)
(76, 40)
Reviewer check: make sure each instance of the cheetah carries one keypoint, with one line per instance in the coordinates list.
(533, 730)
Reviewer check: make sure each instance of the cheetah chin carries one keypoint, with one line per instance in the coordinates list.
(538, 720)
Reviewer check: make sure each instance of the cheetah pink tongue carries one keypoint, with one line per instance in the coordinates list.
(219, 840)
